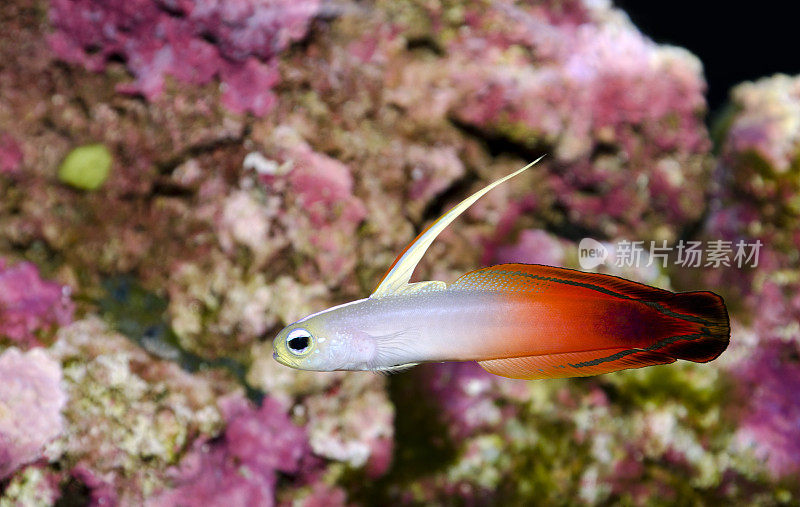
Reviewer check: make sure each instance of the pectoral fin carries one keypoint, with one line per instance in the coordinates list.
(401, 270)
(387, 370)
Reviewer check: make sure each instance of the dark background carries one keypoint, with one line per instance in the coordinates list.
(736, 41)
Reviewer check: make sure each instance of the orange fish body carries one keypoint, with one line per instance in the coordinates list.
(565, 323)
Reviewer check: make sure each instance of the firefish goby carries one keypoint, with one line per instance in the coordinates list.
(516, 320)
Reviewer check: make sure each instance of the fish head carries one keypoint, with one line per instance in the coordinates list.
(323, 342)
(298, 346)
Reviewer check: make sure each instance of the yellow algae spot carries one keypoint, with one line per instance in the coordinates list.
(86, 167)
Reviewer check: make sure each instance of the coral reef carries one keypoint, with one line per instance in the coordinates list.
(322, 213)
(30, 308)
(193, 42)
(10, 154)
(241, 467)
(621, 116)
(507, 440)
(129, 416)
(534, 246)
(32, 486)
(349, 416)
(352, 423)
(757, 201)
(771, 379)
(31, 399)
(271, 158)
(758, 167)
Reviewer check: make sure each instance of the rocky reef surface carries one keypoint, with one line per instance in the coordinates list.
(181, 178)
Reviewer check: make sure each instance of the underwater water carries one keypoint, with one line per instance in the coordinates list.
(180, 179)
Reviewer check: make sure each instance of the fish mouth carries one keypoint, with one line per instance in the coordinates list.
(276, 357)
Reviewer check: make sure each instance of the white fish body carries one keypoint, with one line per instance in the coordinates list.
(397, 330)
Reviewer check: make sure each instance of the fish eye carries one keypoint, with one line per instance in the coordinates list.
(299, 341)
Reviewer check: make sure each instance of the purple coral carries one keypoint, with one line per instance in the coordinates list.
(768, 378)
(30, 305)
(31, 399)
(757, 201)
(467, 395)
(241, 468)
(192, 41)
(771, 379)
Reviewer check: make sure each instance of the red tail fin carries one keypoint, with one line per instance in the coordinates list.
(713, 326)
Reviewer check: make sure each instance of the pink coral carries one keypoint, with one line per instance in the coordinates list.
(620, 115)
(532, 247)
(323, 184)
(240, 468)
(193, 41)
(352, 423)
(600, 78)
(210, 476)
(30, 305)
(772, 421)
(756, 200)
(323, 213)
(31, 399)
(433, 170)
(768, 377)
(767, 122)
(263, 439)
(101, 491)
(467, 395)
(10, 154)
(757, 167)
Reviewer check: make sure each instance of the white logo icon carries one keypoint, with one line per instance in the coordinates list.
(591, 253)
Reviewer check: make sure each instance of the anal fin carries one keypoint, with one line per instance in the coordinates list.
(574, 364)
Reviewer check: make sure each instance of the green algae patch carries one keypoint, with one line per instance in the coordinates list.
(86, 167)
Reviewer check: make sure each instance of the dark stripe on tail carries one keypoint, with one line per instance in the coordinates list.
(651, 296)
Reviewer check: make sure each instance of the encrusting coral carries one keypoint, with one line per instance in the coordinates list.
(30, 308)
(31, 400)
(191, 41)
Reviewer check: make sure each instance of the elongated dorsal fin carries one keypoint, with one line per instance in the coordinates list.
(400, 272)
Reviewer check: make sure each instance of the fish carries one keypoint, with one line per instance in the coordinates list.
(525, 321)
